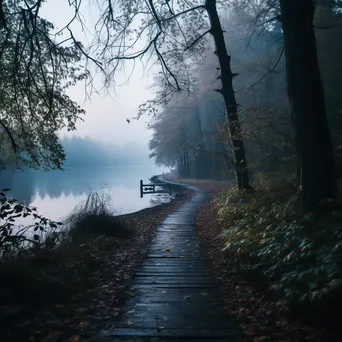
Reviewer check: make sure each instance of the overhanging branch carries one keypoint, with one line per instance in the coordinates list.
(197, 40)
(14, 146)
(268, 73)
(164, 64)
(184, 12)
(139, 54)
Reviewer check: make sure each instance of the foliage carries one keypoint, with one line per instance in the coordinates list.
(298, 254)
(56, 295)
(36, 69)
(94, 217)
(14, 237)
(263, 112)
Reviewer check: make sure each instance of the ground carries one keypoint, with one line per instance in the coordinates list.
(261, 316)
(102, 270)
(106, 270)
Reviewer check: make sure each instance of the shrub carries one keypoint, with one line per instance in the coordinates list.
(94, 217)
(299, 255)
(14, 237)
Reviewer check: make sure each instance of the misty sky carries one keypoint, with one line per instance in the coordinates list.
(106, 115)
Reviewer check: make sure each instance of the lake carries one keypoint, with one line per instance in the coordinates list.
(56, 193)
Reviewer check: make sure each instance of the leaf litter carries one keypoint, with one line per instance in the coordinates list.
(105, 276)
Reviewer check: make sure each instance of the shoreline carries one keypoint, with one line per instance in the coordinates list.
(181, 193)
(95, 275)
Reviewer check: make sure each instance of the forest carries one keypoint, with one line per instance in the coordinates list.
(246, 93)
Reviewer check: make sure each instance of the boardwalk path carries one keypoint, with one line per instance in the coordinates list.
(175, 298)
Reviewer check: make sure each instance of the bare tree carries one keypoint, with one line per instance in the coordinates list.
(174, 35)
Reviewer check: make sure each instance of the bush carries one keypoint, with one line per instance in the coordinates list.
(43, 262)
(299, 255)
(94, 217)
(15, 238)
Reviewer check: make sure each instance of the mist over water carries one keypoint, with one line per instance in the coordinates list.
(56, 193)
(90, 166)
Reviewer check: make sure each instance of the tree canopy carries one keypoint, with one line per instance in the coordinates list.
(36, 69)
(185, 39)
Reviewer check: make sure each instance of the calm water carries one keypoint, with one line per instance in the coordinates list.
(56, 193)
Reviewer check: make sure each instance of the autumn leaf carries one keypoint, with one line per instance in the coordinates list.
(253, 330)
(262, 338)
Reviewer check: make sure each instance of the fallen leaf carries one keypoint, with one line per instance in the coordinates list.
(83, 324)
(253, 330)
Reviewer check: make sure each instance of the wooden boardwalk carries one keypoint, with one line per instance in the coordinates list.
(175, 297)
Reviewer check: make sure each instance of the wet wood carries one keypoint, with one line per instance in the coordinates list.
(174, 296)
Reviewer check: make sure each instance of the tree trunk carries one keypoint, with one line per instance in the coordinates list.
(228, 94)
(312, 137)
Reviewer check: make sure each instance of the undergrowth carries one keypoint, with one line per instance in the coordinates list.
(94, 217)
(298, 256)
(43, 262)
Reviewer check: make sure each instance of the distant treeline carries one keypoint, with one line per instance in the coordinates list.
(88, 152)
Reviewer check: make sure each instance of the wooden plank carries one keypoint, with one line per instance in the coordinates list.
(176, 333)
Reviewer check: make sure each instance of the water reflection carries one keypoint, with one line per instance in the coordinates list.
(56, 193)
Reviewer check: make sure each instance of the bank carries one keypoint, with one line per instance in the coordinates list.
(53, 295)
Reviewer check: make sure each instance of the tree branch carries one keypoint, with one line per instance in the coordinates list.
(14, 146)
(139, 54)
(79, 46)
(277, 17)
(197, 39)
(184, 12)
(268, 73)
(164, 64)
(155, 15)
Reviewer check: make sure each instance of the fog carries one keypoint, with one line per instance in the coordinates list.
(89, 152)
(106, 109)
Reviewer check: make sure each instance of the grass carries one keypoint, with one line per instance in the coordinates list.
(49, 270)
(77, 275)
(94, 217)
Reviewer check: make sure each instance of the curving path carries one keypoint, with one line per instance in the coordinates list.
(175, 297)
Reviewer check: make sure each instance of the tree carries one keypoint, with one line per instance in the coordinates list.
(36, 69)
(229, 96)
(315, 160)
(328, 29)
(199, 152)
(175, 31)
